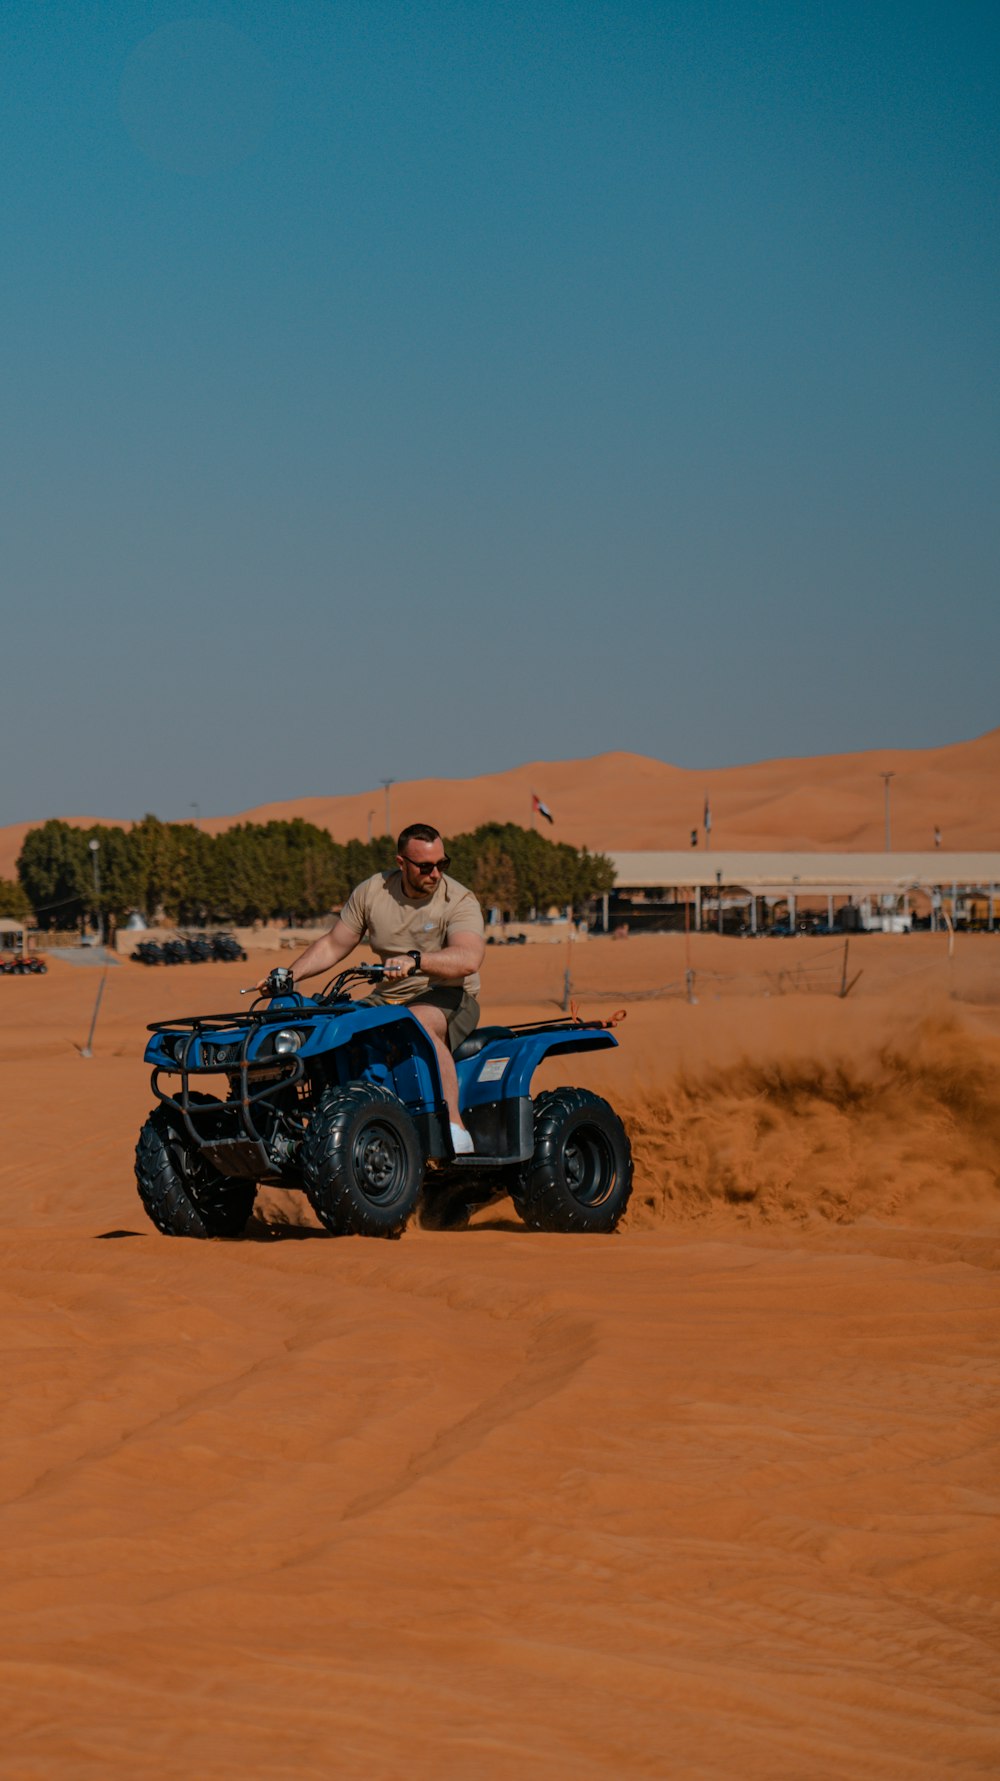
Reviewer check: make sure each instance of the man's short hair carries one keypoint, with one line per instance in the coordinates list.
(416, 831)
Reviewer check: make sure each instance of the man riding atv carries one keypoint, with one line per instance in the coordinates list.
(428, 932)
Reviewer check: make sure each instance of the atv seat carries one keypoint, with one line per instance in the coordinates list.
(477, 1041)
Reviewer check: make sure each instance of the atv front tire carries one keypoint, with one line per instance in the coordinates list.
(362, 1165)
(580, 1176)
(182, 1194)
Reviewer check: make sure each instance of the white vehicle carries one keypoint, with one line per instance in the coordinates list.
(883, 915)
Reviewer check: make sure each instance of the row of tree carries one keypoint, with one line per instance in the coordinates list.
(275, 871)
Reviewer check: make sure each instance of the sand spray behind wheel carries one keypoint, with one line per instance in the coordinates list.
(906, 1126)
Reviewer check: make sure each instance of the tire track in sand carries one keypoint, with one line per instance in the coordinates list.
(560, 1348)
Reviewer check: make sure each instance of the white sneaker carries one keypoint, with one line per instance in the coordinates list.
(461, 1140)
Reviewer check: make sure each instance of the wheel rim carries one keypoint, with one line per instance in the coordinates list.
(589, 1166)
(196, 1175)
(380, 1162)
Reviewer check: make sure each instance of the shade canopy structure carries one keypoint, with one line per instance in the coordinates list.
(810, 874)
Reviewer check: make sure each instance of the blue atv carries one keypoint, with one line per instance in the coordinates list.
(342, 1099)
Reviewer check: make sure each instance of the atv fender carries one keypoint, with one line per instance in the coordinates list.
(494, 1085)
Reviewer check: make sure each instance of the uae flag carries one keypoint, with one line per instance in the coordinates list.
(708, 816)
(540, 808)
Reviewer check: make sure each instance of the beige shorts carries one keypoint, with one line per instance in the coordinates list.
(461, 1009)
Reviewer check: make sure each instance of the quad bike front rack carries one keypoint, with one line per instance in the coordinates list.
(245, 1155)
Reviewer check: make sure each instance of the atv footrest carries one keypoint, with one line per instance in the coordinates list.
(484, 1162)
(243, 1157)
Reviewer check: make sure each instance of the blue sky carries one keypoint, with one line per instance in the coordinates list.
(418, 389)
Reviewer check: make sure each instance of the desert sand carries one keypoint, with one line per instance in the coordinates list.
(714, 1497)
(623, 801)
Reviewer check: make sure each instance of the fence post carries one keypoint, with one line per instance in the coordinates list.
(88, 1048)
(567, 974)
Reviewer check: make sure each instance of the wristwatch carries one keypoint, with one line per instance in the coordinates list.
(416, 957)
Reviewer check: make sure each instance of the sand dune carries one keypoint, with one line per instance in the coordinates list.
(714, 1497)
(629, 801)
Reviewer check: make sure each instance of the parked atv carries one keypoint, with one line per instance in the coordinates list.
(148, 952)
(227, 947)
(342, 1099)
(23, 966)
(198, 949)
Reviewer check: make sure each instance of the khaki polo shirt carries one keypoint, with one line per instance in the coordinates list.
(380, 912)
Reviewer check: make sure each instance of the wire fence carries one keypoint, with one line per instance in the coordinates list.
(966, 974)
(827, 973)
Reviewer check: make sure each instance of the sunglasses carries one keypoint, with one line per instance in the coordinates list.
(424, 867)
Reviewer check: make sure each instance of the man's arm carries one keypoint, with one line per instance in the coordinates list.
(322, 954)
(461, 956)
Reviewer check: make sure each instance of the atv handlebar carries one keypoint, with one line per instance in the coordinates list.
(364, 973)
(280, 982)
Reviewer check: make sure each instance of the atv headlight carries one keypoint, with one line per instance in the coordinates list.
(287, 1040)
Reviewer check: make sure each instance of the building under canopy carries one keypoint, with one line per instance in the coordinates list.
(703, 876)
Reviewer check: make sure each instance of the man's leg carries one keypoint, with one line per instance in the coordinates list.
(435, 1023)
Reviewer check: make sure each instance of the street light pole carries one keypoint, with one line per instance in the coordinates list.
(95, 848)
(387, 783)
(888, 824)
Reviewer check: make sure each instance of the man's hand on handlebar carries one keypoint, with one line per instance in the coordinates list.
(401, 964)
(279, 981)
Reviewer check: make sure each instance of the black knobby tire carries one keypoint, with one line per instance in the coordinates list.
(580, 1176)
(362, 1165)
(182, 1194)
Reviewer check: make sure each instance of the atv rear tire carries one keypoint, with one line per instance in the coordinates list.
(362, 1165)
(182, 1194)
(580, 1176)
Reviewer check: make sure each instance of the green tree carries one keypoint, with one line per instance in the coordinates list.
(595, 875)
(545, 872)
(245, 885)
(307, 869)
(495, 879)
(53, 869)
(118, 872)
(13, 900)
(191, 882)
(154, 850)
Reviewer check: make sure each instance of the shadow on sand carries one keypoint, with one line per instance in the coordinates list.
(266, 1228)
